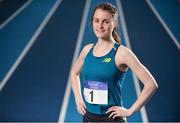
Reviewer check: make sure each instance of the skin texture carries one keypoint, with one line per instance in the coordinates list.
(103, 25)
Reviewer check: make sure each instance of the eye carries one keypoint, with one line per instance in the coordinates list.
(107, 21)
(96, 20)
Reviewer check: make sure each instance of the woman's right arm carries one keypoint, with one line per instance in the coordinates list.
(75, 81)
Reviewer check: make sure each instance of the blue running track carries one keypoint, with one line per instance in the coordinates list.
(38, 43)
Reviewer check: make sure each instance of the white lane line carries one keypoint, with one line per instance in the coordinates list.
(77, 50)
(136, 82)
(15, 14)
(163, 24)
(29, 45)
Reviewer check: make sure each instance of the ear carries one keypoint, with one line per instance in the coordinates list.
(116, 23)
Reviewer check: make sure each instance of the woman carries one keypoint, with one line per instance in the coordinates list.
(103, 67)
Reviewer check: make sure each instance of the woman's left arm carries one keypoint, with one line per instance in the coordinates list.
(127, 57)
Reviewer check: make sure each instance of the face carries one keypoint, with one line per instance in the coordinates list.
(103, 23)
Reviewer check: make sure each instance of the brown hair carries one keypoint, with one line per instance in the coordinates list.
(111, 9)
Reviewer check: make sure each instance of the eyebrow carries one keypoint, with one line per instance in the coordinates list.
(105, 18)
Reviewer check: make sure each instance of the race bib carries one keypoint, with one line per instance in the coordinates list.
(96, 92)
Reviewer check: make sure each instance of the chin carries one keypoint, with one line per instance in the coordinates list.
(102, 36)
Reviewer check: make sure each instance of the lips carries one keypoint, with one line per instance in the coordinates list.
(100, 30)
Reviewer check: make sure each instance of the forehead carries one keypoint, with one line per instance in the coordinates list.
(102, 14)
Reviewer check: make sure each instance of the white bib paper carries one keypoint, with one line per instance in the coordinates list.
(96, 92)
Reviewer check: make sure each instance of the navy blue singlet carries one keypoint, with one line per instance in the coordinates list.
(102, 81)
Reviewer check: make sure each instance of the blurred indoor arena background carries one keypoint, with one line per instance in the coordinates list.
(40, 39)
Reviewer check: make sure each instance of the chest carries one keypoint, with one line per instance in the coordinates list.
(103, 68)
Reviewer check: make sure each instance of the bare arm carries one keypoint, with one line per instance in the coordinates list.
(145, 77)
(126, 56)
(75, 81)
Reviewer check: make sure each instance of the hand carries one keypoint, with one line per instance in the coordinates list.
(81, 107)
(117, 111)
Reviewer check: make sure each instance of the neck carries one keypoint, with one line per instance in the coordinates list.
(105, 42)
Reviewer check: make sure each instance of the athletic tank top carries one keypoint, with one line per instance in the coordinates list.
(101, 81)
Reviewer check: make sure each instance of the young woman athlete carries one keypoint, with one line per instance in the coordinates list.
(103, 66)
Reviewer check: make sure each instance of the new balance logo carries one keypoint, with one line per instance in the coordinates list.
(107, 60)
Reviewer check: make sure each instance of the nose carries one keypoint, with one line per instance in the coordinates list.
(101, 25)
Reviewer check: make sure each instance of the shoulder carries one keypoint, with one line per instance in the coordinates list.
(123, 51)
(126, 56)
(86, 49)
